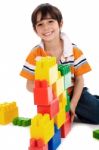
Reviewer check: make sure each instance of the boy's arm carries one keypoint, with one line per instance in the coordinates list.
(30, 85)
(78, 87)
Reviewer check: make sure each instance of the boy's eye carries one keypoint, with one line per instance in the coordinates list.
(40, 24)
(50, 21)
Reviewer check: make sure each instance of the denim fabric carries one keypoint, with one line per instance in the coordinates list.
(87, 109)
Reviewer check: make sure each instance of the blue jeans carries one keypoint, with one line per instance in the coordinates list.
(87, 109)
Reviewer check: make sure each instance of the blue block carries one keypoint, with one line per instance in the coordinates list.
(55, 140)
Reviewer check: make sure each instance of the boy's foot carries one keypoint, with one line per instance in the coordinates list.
(97, 96)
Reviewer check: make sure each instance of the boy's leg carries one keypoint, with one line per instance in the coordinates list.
(87, 109)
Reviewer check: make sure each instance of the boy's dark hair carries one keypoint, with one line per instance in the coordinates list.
(46, 9)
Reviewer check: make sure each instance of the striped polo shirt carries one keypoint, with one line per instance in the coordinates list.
(72, 55)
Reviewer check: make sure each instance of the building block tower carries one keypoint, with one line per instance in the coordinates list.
(52, 121)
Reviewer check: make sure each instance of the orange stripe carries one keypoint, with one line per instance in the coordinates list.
(84, 68)
(27, 75)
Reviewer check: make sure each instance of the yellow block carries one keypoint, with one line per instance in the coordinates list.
(42, 127)
(8, 111)
(47, 69)
(58, 86)
(60, 118)
(63, 99)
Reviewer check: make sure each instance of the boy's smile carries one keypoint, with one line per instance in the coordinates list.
(48, 33)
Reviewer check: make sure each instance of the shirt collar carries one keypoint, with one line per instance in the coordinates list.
(68, 47)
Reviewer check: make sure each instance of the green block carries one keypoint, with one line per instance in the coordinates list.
(96, 134)
(67, 107)
(15, 121)
(66, 72)
(64, 69)
(26, 122)
(21, 121)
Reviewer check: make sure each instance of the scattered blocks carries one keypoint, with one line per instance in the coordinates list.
(21, 121)
(53, 106)
(8, 111)
(96, 134)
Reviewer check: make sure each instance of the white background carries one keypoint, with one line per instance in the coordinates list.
(81, 24)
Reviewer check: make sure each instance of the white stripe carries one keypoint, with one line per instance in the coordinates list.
(79, 59)
(71, 58)
(32, 72)
(80, 64)
(29, 65)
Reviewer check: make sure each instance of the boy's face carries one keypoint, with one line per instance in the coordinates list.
(47, 29)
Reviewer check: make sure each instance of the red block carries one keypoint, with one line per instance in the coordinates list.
(37, 145)
(43, 94)
(52, 109)
(66, 127)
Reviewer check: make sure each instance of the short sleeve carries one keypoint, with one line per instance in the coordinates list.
(81, 65)
(28, 68)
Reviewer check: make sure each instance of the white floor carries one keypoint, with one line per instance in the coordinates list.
(80, 137)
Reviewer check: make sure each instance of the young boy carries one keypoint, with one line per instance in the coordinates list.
(47, 23)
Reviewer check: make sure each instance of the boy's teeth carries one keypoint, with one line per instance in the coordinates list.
(48, 33)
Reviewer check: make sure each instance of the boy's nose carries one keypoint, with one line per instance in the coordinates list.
(46, 27)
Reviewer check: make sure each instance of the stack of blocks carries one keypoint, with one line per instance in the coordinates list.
(53, 105)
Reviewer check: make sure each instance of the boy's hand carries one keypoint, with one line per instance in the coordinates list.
(72, 111)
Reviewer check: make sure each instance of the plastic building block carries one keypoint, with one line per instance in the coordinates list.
(53, 104)
(64, 69)
(37, 145)
(21, 121)
(47, 69)
(67, 108)
(42, 127)
(8, 111)
(67, 80)
(58, 86)
(42, 93)
(55, 140)
(66, 127)
(96, 134)
(60, 118)
(63, 98)
(52, 109)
